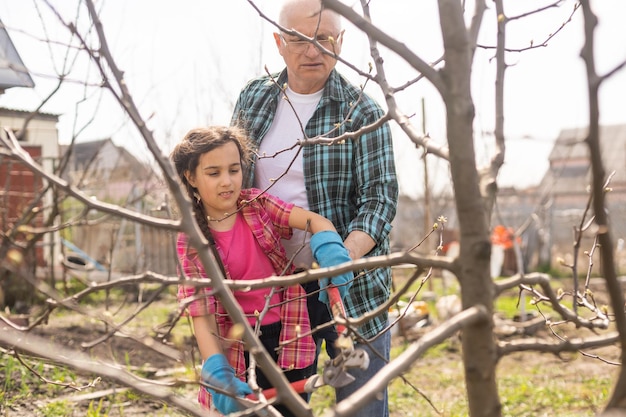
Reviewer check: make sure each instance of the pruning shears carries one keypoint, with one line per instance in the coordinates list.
(335, 372)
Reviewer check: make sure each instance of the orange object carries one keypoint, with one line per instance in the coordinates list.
(503, 236)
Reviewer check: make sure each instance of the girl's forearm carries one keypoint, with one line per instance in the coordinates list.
(301, 219)
(205, 329)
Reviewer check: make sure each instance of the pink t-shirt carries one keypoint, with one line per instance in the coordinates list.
(244, 259)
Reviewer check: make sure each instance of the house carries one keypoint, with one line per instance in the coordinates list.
(112, 174)
(20, 187)
(565, 189)
(24, 199)
(544, 215)
(104, 170)
(570, 166)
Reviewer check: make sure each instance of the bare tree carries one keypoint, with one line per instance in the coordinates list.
(475, 194)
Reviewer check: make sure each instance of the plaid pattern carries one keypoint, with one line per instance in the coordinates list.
(268, 218)
(353, 184)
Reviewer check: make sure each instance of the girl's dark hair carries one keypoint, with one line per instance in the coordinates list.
(186, 156)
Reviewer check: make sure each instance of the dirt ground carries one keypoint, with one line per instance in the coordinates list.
(72, 331)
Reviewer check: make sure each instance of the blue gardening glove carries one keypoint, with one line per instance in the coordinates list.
(329, 250)
(217, 372)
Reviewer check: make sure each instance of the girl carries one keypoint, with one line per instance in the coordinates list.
(246, 227)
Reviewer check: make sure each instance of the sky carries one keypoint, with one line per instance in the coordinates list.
(185, 62)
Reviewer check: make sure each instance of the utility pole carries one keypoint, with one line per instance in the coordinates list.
(427, 221)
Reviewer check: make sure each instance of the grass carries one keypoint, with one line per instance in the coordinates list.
(528, 387)
(19, 384)
(57, 409)
(529, 384)
(536, 391)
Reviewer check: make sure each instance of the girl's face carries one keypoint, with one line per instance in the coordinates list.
(218, 178)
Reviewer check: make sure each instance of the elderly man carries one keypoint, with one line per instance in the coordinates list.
(352, 183)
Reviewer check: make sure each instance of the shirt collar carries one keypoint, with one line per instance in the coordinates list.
(332, 88)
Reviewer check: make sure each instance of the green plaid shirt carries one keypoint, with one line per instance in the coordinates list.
(353, 184)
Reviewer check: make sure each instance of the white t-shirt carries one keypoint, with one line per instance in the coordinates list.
(275, 158)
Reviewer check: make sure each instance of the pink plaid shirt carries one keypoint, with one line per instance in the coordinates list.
(268, 218)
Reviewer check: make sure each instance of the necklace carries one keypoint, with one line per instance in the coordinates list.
(213, 219)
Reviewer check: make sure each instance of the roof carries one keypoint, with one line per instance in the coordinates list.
(85, 153)
(13, 72)
(5, 111)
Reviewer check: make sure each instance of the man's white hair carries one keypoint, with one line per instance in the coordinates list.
(314, 6)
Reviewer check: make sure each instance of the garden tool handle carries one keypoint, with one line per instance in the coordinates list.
(298, 386)
(336, 306)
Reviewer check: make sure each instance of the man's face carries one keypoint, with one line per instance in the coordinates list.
(307, 67)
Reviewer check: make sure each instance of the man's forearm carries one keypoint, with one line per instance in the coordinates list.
(359, 244)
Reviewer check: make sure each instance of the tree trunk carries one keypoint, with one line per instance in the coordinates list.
(479, 356)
